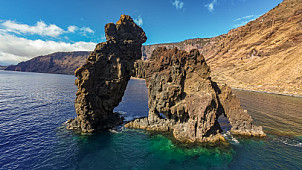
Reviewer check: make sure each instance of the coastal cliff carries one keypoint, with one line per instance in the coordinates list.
(59, 62)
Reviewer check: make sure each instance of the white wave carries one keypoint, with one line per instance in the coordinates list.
(235, 140)
(297, 145)
(122, 112)
(289, 142)
(230, 137)
(113, 131)
(128, 118)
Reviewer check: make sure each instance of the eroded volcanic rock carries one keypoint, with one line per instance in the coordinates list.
(182, 97)
(184, 100)
(102, 80)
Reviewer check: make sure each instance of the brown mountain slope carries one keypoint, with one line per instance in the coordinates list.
(265, 54)
(183, 45)
(60, 62)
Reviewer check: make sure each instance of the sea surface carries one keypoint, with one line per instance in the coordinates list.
(34, 106)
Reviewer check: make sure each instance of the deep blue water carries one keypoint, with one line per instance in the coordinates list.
(34, 106)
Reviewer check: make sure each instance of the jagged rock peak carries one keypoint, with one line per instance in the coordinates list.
(125, 29)
(102, 80)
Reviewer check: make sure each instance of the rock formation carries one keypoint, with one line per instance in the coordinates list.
(239, 119)
(102, 80)
(182, 97)
(184, 100)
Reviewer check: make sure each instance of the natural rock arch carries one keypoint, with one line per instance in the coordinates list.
(180, 87)
(102, 80)
(178, 82)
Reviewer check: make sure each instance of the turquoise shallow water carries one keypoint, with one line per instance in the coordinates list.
(33, 107)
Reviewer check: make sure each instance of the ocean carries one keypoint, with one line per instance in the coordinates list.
(34, 106)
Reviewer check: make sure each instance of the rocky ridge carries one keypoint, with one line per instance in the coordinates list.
(59, 62)
(187, 45)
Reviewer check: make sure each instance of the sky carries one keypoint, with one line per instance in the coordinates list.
(30, 28)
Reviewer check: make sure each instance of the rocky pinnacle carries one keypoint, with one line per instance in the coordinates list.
(102, 80)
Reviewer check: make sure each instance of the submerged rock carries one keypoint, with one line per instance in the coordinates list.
(184, 100)
(102, 80)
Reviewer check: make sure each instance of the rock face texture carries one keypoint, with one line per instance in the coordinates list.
(184, 100)
(240, 120)
(102, 80)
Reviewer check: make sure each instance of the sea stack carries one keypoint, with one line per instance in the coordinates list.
(102, 80)
(185, 101)
(182, 98)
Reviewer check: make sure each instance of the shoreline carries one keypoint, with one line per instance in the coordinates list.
(135, 78)
(265, 92)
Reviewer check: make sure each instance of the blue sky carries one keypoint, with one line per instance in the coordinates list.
(29, 28)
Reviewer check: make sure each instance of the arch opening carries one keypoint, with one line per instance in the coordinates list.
(224, 123)
(134, 103)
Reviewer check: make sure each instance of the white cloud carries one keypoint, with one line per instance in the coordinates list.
(40, 29)
(240, 24)
(103, 38)
(139, 21)
(244, 20)
(178, 4)
(245, 17)
(15, 49)
(85, 30)
(210, 6)
(72, 28)
(8, 59)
